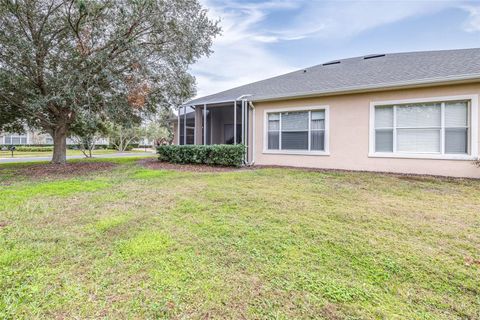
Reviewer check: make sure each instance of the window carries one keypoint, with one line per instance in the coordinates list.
(296, 131)
(274, 131)
(15, 139)
(456, 127)
(441, 128)
(317, 130)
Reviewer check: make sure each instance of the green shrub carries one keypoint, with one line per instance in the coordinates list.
(215, 155)
(34, 149)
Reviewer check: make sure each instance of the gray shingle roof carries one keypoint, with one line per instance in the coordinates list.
(352, 74)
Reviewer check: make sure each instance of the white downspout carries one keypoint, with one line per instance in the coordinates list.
(253, 133)
(244, 130)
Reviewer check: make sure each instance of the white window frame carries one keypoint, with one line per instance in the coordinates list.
(17, 136)
(472, 139)
(325, 152)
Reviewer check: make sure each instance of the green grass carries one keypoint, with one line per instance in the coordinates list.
(22, 154)
(259, 244)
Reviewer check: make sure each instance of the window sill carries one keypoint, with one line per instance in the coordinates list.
(465, 157)
(297, 152)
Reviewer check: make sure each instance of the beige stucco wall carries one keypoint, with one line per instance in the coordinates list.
(349, 134)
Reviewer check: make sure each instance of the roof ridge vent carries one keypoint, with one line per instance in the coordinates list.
(373, 56)
(331, 62)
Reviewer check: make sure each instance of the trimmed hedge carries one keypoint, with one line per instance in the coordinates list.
(215, 155)
(29, 145)
(34, 149)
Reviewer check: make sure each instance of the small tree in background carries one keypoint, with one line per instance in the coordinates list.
(118, 59)
(86, 131)
(158, 134)
(121, 136)
(159, 130)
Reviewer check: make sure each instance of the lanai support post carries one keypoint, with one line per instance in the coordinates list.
(185, 125)
(246, 129)
(243, 121)
(178, 127)
(235, 122)
(198, 124)
(205, 124)
(194, 125)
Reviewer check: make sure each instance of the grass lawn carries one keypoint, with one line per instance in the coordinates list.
(20, 154)
(132, 242)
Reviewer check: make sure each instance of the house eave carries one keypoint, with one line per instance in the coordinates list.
(373, 88)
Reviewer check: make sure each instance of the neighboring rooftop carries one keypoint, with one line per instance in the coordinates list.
(374, 71)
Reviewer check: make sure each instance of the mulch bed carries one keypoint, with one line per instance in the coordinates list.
(153, 163)
(413, 177)
(66, 170)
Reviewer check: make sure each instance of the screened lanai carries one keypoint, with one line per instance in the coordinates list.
(213, 124)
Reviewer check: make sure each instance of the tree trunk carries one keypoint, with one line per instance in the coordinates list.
(60, 145)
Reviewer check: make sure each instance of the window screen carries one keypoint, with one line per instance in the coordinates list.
(299, 130)
(384, 129)
(422, 128)
(294, 131)
(16, 139)
(273, 131)
(456, 127)
(317, 127)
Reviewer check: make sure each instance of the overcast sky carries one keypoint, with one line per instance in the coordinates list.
(261, 39)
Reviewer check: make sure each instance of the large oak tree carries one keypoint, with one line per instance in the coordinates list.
(117, 59)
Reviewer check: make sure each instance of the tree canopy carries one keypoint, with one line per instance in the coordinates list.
(117, 59)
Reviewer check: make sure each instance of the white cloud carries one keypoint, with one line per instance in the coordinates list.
(344, 19)
(472, 24)
(240, 54)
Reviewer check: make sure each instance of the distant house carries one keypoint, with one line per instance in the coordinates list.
(30, 137)
(414, 112)
(34, 137)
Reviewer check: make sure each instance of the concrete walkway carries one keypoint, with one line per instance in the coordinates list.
(112, 155)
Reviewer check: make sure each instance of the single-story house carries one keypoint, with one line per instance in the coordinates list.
(29, 137)
(413, 112)
(35, 137)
